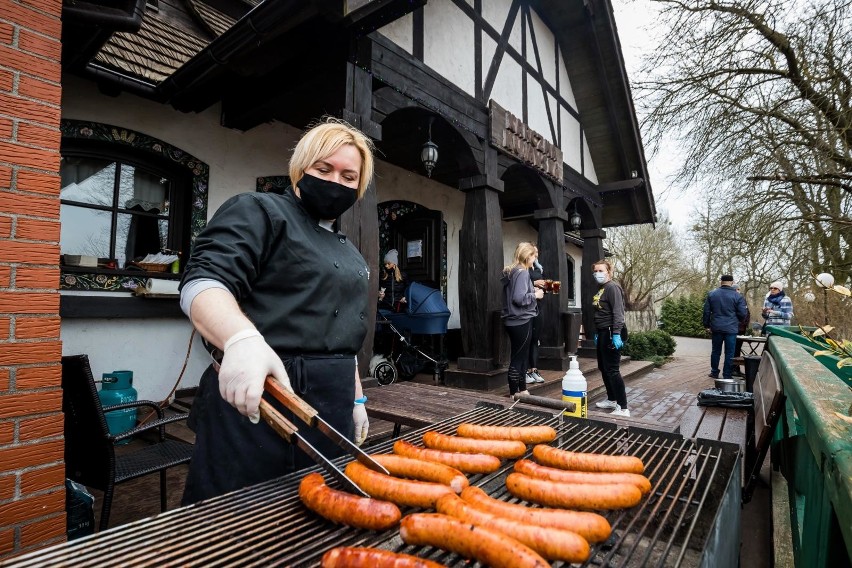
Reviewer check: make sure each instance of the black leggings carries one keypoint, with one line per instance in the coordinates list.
(535, 332)
(609, 362)
(519, 340)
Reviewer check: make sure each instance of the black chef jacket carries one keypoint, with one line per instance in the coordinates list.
(305, 289)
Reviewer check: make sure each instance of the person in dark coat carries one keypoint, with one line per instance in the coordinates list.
(537, 277)
(277, 291)
(392, 284)
(724, 309)
(743, 328)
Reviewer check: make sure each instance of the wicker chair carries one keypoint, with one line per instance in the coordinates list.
(90, 456)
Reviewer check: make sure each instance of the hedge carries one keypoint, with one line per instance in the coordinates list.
(682, 316)
(653, 345)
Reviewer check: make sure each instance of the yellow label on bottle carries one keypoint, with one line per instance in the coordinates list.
(579, 400)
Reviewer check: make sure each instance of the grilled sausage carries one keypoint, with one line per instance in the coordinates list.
(487, 546)
(591, 526)
(511, 449)
(467, 463)
(553, 544)
(413, 468)
(572, 495)
(525, 434)
(358, 557)
(533, 469)
(344, 508)
(400, 491)
(576, 461)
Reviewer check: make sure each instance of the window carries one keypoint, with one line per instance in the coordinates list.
(568, 286)
(124, 195)
(117, 211)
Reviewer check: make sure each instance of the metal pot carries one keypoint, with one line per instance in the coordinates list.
(730, 385)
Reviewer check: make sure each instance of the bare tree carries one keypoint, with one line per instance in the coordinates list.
(649, 263)
(759, 89)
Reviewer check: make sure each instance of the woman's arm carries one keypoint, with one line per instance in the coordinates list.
(616, 295)
(217, 316)
(247, 359)
(522, 295)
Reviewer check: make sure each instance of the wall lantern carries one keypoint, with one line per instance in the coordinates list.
(429, 152)
(575, 219)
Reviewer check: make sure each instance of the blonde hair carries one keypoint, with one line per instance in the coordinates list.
(323, 140)
(603, 262)
(397, 275)
(523, 252)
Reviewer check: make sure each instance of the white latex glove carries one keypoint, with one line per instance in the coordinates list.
(362, 423)
(245, 365)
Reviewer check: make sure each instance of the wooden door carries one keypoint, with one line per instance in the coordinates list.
(417, 238)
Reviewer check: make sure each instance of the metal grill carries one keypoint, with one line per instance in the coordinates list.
(690, 518)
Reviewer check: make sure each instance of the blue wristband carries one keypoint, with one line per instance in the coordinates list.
(361, 400)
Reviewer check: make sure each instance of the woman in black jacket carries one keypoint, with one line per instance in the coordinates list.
(392, 284)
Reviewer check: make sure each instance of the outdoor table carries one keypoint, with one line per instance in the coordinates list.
(753, 344)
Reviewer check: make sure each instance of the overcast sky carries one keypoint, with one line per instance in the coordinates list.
(635, 20)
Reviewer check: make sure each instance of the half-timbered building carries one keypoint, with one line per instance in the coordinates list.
(496, 121)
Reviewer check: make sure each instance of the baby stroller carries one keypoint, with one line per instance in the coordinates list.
(426, 315)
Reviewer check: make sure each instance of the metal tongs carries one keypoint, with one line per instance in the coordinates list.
(311, 417)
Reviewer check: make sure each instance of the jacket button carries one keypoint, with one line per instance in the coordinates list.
(336, 264)
(360, 273)
(361, 315)
(336, 312)
(342, 240)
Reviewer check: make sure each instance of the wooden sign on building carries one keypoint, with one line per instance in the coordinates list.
(511, 135)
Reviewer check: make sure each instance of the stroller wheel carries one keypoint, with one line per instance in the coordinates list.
(385, 373)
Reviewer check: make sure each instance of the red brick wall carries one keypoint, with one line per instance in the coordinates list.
(32, 495)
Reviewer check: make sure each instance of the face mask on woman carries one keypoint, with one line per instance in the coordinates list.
(600, 277)
(324, 199)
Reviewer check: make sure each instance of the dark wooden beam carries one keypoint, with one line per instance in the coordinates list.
(633, 183)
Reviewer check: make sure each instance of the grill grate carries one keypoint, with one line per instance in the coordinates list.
(267, 524)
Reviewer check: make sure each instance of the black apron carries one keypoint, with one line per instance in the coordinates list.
(231, 453)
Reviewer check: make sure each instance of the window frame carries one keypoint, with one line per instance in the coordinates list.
(104, 141)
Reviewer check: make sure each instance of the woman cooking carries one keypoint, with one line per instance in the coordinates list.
(279, 292)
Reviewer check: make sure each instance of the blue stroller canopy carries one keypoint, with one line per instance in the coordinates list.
(426, 311)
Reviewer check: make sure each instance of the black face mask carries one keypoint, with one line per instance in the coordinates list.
(325, 200)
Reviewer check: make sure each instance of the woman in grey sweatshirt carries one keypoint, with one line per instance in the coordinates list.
(520, 306)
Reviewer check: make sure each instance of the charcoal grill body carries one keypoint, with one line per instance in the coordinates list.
(691, 518)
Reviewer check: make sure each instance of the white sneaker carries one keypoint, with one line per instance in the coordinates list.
(530, 379)
(538, 378)
(620, 411)
(607, 404)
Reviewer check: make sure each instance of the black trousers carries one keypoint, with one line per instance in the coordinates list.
(535, 332)
(609, 362)
(519, 341)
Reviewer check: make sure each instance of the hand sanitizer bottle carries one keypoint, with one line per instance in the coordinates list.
(574, 388)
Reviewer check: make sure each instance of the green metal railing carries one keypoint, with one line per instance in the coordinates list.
(813, 447)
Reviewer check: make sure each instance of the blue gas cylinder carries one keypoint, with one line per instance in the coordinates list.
(117, 388)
